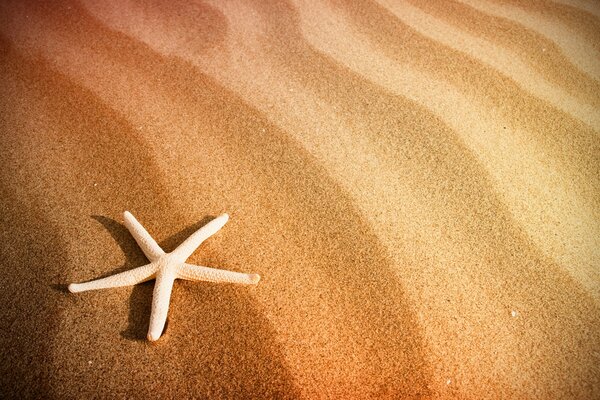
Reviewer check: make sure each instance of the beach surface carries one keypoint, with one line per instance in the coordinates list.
(417, 182)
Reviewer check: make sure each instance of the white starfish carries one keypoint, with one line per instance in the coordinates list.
(165, 268)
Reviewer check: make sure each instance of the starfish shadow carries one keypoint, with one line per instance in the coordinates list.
(140, 301)
(60, 287)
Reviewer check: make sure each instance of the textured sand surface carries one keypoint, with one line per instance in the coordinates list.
(417, 182)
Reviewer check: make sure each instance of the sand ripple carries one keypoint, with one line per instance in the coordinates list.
(417, 182)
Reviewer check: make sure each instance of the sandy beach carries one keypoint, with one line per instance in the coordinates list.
(417, 182)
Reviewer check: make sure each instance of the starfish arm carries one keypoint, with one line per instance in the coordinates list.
(199, 273)
(185, 249)
(148, 245)
(126, 278)
(160, 304)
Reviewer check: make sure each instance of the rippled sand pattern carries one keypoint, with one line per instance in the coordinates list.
(418, 183)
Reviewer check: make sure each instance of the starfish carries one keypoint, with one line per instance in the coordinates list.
(165, 268)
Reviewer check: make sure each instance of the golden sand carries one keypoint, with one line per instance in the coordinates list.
(416, 182)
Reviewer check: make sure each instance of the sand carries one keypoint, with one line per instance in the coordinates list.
(418, 184)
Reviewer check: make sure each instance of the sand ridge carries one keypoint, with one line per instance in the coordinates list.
(425, 222)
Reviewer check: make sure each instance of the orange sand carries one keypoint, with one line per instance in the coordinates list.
(417, 183)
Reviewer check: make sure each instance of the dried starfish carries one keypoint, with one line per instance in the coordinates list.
(165, 268)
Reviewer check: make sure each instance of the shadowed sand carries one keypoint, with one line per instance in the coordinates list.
(416, 183)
